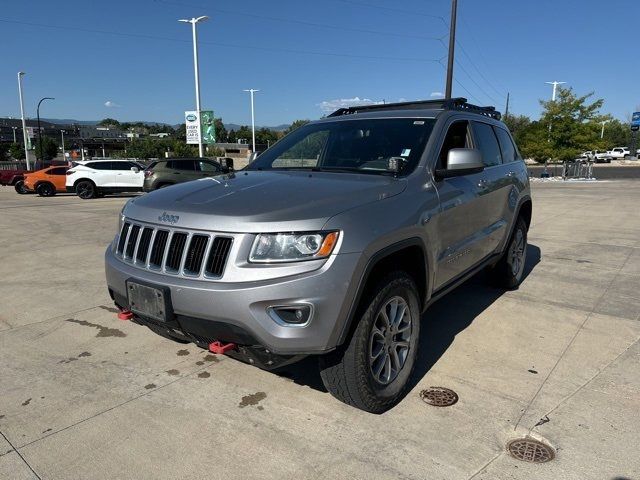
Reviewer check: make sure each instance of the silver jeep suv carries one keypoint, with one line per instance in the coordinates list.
(332, 243)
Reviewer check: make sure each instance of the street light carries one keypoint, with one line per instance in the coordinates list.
(24, 125)
(253, 118)
(602, 131)
(193, 21)
(39, 130)
(555, 88)
(62, 133)
(14, 134)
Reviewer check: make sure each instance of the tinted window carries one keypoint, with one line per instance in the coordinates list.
(208, 166)
(187, 165)
(120, 166)
(99, 165)
(58, 171)
(509, 152)
(488, 144)
(457, 137)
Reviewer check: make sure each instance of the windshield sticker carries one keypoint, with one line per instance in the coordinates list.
(405, 152)
(419, 122)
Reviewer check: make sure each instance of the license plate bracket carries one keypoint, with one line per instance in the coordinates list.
(149, 300)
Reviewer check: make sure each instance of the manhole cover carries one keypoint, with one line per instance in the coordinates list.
(530, 450)
(439, 396)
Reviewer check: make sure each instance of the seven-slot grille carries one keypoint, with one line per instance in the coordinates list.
(174, 252)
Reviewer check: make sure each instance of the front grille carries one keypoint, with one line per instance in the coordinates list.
(174, 252)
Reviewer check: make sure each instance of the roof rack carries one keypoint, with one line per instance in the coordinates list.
(459, 103)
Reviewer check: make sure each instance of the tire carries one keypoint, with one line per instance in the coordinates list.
(509, 270)
(20, 188)
(361, 372)
(46, 190)
(86, 189)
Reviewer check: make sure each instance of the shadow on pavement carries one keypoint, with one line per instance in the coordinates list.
(440, 324)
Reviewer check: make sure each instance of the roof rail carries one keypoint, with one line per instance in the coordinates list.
(459, 103)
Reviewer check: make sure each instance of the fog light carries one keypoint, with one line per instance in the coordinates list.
(291, 315)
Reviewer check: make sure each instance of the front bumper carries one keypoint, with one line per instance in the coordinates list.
(237, 312)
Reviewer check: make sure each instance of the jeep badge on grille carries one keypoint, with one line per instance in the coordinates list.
(166, 218)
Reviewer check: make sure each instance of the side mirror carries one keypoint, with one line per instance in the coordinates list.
(461, 161)
(135, 169)
(396, 165)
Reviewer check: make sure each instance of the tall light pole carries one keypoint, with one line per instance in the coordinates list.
(452, 46)
(193, 21)
(253, 118)
(62, 134)
(602, 131)
(14, 134)
(24, 124)
(39, 129)
(555, 89)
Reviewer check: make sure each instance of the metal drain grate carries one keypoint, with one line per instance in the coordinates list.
(530, 450)
(439, 396)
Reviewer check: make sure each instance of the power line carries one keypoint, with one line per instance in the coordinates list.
(392, 9)
(300, 22)
(221, 44)
(476, 83)
(461, 85)
(464, 52)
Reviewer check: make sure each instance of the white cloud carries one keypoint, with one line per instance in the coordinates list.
(329, 106)
(111, 104)
(436, 94)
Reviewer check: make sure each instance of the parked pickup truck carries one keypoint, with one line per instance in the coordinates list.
(12, 173)
(598, 156)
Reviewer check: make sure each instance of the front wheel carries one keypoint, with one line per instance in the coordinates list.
(46, 190)
(372, 370)
(86, 190)
(20, 188)
(509, 270)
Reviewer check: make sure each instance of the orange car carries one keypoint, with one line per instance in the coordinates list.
(47, 182)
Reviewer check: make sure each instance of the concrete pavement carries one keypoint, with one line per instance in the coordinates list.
(83, 395)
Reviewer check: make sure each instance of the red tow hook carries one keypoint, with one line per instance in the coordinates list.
(125, 315)
(221, 348)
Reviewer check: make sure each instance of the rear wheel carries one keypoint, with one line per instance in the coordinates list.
(86, 189)
(20, 188)
(371, 371)
(46, 190)
(509, 270)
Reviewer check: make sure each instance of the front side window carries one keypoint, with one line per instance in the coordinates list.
(487, 143)
(99, 165)
(120, 166)
(457, 137)
(207, 166)
(358, 146)
(58, 171)
(184, 165)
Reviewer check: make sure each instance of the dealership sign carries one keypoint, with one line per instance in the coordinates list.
(635, 119)
(192, 123)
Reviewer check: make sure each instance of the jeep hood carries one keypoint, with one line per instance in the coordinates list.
(261, 201)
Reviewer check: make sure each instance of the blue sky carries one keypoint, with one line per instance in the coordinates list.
(132, 60)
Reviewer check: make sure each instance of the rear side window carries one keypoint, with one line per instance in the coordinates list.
(99, 165)
(185, 165)
(457, 137)
(488, 144)
(509, 152)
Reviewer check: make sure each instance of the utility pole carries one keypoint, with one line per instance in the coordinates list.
(555, 89)
(24, 124)
(452, 46)
(253, 118)
(193, 21)
(14, 134)
(506, 108)
(40, 130)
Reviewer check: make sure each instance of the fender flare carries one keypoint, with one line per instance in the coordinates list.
(364, 278)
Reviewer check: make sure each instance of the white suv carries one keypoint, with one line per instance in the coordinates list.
(99, 177)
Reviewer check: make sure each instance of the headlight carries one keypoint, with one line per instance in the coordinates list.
(292, 247)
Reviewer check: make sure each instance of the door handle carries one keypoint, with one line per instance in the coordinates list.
(176, 173)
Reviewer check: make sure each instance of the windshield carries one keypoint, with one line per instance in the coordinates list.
(358, 146)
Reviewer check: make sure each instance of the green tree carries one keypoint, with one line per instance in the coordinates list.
(296, 124)
(617, 134)
(222, 135)
(266, 136)
(4, 149)
(518, 125)
(568, 126)
(16, 151)
(109, 122)
(49, 148)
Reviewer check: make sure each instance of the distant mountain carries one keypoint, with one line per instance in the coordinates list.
(277, 128)
(69, 121)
